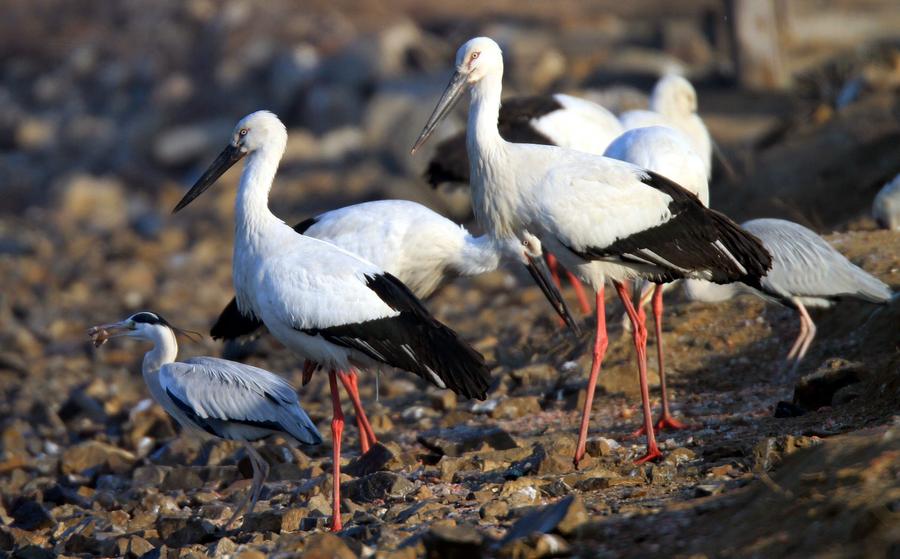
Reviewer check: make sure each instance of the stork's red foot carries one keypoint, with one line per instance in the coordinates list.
(652, 454)
(670, 423)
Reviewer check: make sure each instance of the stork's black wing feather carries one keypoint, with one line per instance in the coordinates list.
(694, 238)
(413, 341)
(450, 162)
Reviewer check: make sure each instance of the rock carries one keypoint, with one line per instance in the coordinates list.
(178, 531)
(817, 390)
(601, 447)
(787, 409)
(464, 438)
(149, 476)
(181, 479)
(30, 515)
(136, 546)
(221, 548)
(327, 546)
(564, 516)
(662, 474)
(189, 143)
(96, 455)
(513, 408)
(765, 454)
(445, 400)
(274, 520)
(379, 485)
(494, 510)
(377, 458)
(520, 492)
(97, 202)
(33, 552)
(453, 542)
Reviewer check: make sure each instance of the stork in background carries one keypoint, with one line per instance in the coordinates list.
(604, 219)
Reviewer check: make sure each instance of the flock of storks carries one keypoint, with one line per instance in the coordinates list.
(612, 199)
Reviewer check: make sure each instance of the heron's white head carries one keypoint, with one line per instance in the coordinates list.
(477, 58)
(256, 131)
(144, 325)
(674, 96)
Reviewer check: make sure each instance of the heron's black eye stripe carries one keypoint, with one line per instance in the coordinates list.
(149, 318)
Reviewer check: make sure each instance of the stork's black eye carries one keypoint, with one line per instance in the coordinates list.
(475, 55)
(243, 132)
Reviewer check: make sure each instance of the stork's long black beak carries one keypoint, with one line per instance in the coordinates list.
(451, 96)
(540, 272)
(229, 156)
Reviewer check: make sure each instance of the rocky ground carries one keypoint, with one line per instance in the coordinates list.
(104, 127)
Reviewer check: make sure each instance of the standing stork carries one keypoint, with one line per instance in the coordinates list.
(416, 245)
(601, 217)
(666, 151)
(806, 272)
(673, 103)
(215, 397)
(559, 120)
(322, 302)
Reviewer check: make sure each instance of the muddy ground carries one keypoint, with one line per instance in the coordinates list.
(89, 467)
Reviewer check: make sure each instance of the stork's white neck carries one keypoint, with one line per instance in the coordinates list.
(494, 194)
(478, 256)
(252, 202)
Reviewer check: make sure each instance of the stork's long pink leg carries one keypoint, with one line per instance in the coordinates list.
(554, 269)
(666, 421)
(579, 292)
(366, 434)
(600, 343)
(337, 431)
(639, 333)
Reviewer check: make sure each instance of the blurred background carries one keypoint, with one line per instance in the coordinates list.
(110, 110)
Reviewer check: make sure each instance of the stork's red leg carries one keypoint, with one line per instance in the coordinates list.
(639, 333)
(554, 269)
(351, 385)
(666, 421)
(337, 431)
(579, 292)
(600, 343)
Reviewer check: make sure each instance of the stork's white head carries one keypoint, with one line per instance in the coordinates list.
(476, 59)
(255, 132)
(258, 130)
(674, 96)
(479, 57)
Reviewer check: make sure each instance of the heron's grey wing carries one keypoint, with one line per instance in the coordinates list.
(216, 390)
(805, 265)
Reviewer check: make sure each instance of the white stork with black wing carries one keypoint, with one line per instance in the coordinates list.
(322, 302)
(601, 217)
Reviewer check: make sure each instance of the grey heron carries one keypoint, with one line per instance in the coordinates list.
(806, 272)
(215, 397)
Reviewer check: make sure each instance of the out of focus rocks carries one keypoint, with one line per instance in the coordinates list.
(378, 485)
(94, 454)
(280, 520)
(97, 202)
(377, 458)
(513, 408)
(817, 390)
(464, 438)
(30, 515)
(326, 546)
(178, 531)
(453, 542)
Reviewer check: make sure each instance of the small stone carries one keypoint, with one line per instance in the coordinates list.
(514, 408)
(662, 474)
(376, 459)
(707, 490)
(327, 546)
(564, 516)
(445, 400)
(817, 390)
(494, 510)
(94, 454)
(221, 548)
(274, 520)
(97, 202)
(181, 479)
(29, 515)
(520, 492)
(453, 541)
(601, 447)
(178, 531)
(787, 409)
(138, 546)
(464, 438)
(380, 485)
(680, 455)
